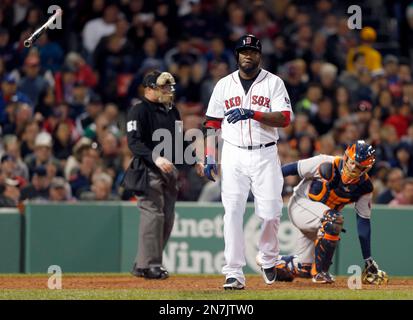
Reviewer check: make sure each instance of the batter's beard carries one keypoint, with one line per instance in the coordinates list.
(251, 69)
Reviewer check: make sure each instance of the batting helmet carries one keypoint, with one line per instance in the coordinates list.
(246, 42)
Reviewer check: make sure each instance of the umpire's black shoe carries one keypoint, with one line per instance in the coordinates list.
(139, 272)
(156, 273)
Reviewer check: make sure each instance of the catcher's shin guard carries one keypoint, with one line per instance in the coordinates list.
(325, 245)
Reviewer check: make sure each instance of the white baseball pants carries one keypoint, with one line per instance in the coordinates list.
(260, 171)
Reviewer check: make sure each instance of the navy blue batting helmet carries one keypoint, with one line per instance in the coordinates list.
(247, 42)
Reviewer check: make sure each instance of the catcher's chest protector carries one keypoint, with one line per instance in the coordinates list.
(332, 191)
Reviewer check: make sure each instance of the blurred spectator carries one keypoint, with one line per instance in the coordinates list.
(343, 101)
(160, 35)
(351, 79)
(217, 53)
(368, 37)
(83, 145)
(100, 189)
(12, 148)
(33, 84)
(404, 159)
(33, 19)
(62, 146)
(305, 146)
(114, 58)
(323, 119)
(111, 113)
(9, 193)
(339, 40)
(236, 24)
(97, 28)
(9, 168)
(83, 72)
(59, 190)
(263, 26)
(59, 115)
(20, 9)
(28, 137)
(38, 189)
(65, 81)
(309, 104)
(110, 152)
(9, 94)
(196, 23)
(51, 54)
(327, 144)
(42, 152)
(19, 114)
(184, 53)
(8, 54)
(328, 75)
(217, 71)
(188, 83)
(405, 197)
(282, 53)
(394, 183)
(80, 178)
(46, 103)
(294, 83)
(93, 109)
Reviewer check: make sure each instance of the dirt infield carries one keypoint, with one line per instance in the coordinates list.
(181, 283)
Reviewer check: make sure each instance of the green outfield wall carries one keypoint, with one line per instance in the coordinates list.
(10, 241)
(102, 237)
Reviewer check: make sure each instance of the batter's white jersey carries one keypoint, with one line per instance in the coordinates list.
(266, 94)
(308, 170)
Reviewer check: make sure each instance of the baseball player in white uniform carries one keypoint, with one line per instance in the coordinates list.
(328, 184)
(248, 105)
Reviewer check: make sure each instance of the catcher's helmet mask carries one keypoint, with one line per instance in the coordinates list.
(358, 158)
(164, 85)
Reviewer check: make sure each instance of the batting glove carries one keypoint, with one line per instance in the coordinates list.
(235, 115)
(210, 169)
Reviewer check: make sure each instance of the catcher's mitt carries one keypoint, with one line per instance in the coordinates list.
(372, 274)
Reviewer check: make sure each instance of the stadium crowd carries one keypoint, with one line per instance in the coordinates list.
(63, 101)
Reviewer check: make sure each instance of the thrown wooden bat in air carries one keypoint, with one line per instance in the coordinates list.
(29, 41)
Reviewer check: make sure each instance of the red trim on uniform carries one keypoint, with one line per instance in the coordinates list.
(216, 124)
(287, 116)
(209, 151)
(258, 115)
(249, 126)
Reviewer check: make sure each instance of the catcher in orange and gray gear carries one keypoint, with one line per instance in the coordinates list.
(328, 184)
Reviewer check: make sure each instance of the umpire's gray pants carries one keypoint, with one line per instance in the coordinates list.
(157, 214)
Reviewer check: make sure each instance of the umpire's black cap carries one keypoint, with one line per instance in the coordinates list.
(150, 79)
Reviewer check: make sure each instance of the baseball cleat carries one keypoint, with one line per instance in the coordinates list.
(233, 284)
(269, 275)
(323, 277)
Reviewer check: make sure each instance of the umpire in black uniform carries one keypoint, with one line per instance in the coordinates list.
(152, 176)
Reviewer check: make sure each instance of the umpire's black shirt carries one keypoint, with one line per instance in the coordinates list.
(142, 120)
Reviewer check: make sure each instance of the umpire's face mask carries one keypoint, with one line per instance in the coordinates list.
(165, 88)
